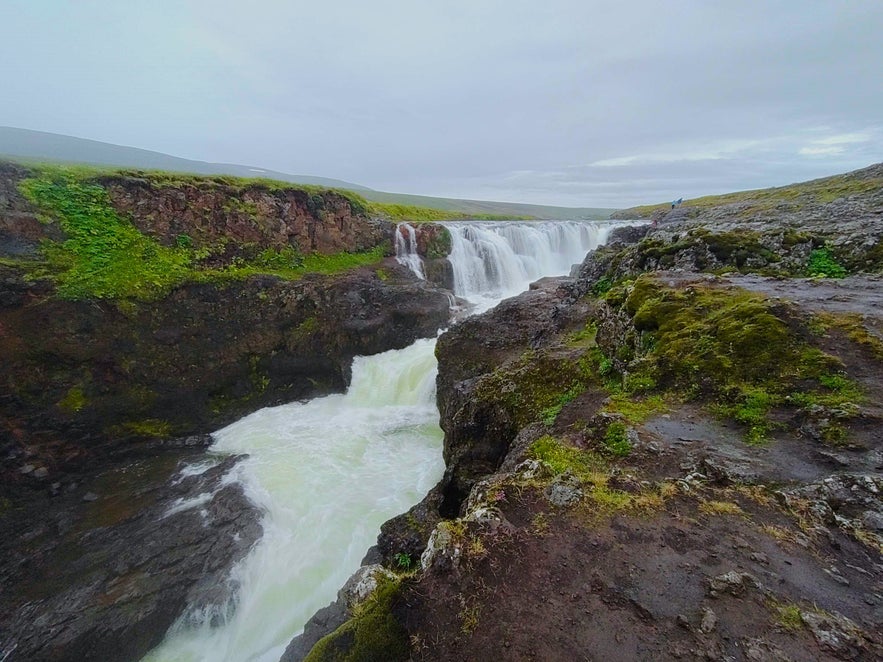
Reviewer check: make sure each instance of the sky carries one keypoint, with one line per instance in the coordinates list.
(563, 102)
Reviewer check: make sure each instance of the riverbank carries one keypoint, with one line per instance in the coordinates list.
(674, 454)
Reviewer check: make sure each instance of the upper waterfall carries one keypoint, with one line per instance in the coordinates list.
(496, 260)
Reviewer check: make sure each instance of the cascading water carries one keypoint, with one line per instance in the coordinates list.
(406, 249)
(494, 261)
(330, 471)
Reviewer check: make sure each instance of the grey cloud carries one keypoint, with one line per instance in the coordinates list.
(512, 100)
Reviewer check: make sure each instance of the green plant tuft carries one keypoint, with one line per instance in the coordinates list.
(822, 263)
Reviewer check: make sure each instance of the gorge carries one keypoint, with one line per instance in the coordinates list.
(673, 452)
(327, 473)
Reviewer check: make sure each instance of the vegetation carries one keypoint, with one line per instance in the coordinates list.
(723, 347)
(818, 191)
(105, 256)
(616, 440)
(537, 385)
(373, 634)
(414, 214)
(822, 263)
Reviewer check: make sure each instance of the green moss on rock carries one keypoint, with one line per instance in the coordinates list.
(373, 634)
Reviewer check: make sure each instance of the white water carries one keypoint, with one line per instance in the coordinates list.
(494, 261)
(329, 472)
(406, 249)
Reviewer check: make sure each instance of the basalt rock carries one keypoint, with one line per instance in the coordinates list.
(84, 376)
(479, 430)
(105, 581)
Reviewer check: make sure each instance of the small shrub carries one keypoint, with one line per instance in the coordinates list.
(616, 440)
(823, 263)
(403, 561)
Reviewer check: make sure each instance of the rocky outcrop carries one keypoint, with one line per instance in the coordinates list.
(213, 211)
(102, 575)
(85, 377)
(649, 462)
(491, 380)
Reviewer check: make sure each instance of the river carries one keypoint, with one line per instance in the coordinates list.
(328, 472)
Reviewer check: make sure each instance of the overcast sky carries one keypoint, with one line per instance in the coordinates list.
(570, 102)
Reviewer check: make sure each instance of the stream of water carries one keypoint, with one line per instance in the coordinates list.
(330, 471)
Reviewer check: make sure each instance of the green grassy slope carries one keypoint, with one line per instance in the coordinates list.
(816, 191)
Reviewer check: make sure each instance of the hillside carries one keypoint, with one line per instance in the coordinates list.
(772, 202)
(42, 146)
(482, 207)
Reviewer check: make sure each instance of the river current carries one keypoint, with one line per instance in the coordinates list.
(328, 472)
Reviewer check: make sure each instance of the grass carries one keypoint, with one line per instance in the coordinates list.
(818, 191)
(106, 257)
(726, 348)
(414, 214)
(720, 508)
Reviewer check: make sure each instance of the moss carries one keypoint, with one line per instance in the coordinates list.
(636, 409)
(550, 413)
(73, 401)
(149, 427)
(439, 245)
(727, 348)
(559, 457)
(787, 615)
(584, 337)
(373, 634)
(536, 384)
(855, 330)
(616, 440)
(305, 329)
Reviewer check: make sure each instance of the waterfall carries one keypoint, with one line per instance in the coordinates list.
(328, 472)
(496, 260)
(406, 249)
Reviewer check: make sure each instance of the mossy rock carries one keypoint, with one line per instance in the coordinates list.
(373, 634)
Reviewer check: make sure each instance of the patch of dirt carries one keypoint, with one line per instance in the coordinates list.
(565, 587)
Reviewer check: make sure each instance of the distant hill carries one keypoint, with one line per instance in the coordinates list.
(486, 207)
(42, 146)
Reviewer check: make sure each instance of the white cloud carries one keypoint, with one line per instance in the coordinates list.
(821, 151)
(836, 144)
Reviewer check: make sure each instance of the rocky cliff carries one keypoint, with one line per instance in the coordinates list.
(262, 300)
(138, 312)
(674, 454)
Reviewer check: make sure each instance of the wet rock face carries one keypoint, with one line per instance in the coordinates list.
(433, 241)
(20, 229)
(479, 430)
(105, 580)
(84, 374)
(209, 211)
